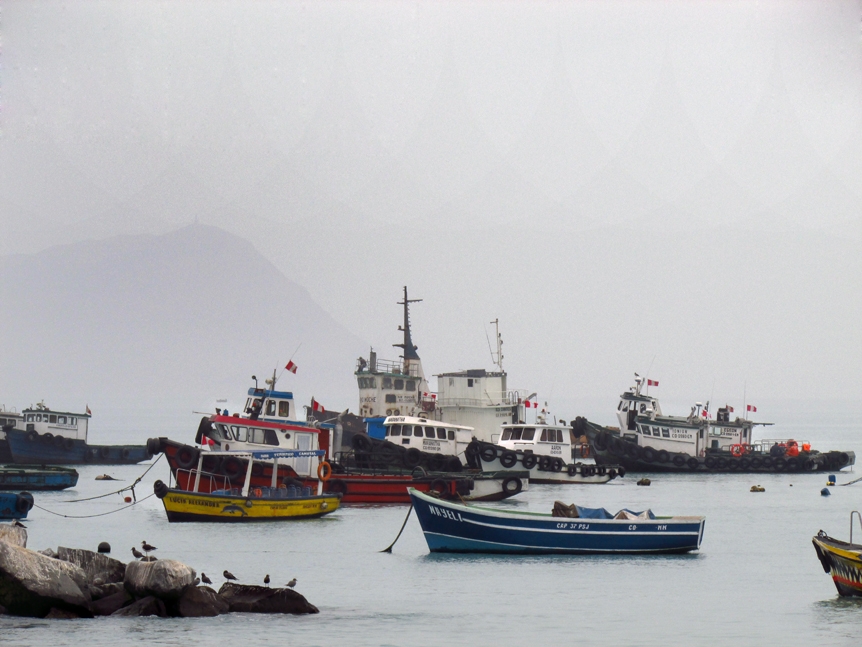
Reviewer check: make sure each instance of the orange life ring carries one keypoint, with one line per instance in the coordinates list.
(258, 492)
(737, 450)
(324, 471)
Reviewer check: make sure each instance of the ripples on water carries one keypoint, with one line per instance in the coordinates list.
(756, 580)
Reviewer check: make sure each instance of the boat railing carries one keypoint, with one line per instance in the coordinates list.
(395, 367)
(859, 516)
(214, 479)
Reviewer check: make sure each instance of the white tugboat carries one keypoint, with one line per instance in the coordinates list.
(648, 440)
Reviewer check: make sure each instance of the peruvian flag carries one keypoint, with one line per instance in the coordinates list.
(89, 413)
(316, 406)
(652, 382)
(291, 366)
(751, 407)
(729, 408)
(528, 404)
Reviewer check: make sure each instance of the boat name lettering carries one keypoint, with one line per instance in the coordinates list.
(556, 449)
(661, 527)
(680, 433)
(371, 398)
(397, 419)
(573, 526)
(427, 443)
(633, 527)
(443, 512)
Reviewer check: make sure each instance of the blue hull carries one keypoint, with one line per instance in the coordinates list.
(14, 506)
(32, 477)
(453, 528)
(32, 449)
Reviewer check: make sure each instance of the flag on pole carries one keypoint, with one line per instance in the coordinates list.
(652, 382)
(89, 413)
(751, 407)
(316, 406)
(291, 367)
(729, 408)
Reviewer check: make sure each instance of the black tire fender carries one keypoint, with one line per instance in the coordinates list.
(440, 486)
(529, 461)
(186, 457)
(488, 453)
(508, 458)
(160, 489)
(679, 460)
(512, 485)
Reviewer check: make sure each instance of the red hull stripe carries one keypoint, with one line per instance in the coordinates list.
(245, 422)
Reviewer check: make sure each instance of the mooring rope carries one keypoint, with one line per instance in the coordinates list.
(389, 550)
(852, 482)
(88, 516)
(128, 487)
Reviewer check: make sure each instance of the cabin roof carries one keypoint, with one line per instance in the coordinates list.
(473, 372)
(257, 393)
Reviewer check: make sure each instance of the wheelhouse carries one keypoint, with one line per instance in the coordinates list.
(540, 439)
(43, 420)
(427, 435)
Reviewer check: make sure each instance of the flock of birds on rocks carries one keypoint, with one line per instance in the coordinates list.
(226, 574)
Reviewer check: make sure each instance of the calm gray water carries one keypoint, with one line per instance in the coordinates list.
(756, 580)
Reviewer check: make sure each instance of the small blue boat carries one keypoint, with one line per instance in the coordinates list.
(37, 477)
(456, 528)
(15, 506)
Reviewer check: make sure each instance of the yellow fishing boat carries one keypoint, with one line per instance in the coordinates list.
(249, 503)
(842, 560)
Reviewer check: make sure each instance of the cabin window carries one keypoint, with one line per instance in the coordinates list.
(283, 408)
(53, 418)
(441, 433)
(367, 383)
(399, 385)
(240, 433)
(38, 417)
(61, 420)
(225, 432)
(528, 434)
(469, 381)
(417, 431)
(387, 382)
(665, 432)
(507, 434)
(429, 432)
(544, 436)
(643, 407)
(620, 406)
(390, 398)
(451, 434)
(395, 430)
(701, 433)
(73, 421)
(30, 417)
(270, 407)
(410, 385)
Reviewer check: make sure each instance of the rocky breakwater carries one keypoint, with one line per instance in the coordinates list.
(78, 583)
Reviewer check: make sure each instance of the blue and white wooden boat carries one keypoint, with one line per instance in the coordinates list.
(455, 528)
(14, 505)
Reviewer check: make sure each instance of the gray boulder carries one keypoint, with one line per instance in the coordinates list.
(148, 606)
(95, 565)
(199, 602)
(12, 534)
(31, 584)
(111, 603)
(262, 599)
(166, 579)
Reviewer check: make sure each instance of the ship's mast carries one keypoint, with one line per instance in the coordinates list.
(499, 360)
(407, 345)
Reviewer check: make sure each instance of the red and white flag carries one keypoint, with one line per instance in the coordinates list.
(89, 413)
(751, 407)
(316, 406)
(652, 382)
(729, 408)
(528, 404)
(291, 366)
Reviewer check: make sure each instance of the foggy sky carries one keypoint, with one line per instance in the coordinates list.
(672, 187)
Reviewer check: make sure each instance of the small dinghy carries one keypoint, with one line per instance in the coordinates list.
(842, 560)
(455, 528)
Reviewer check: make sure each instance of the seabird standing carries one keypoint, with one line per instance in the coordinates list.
(228, 575)
(266, 579)
(138, 554)
(147, 548)
(205, 579)
(292, 583)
